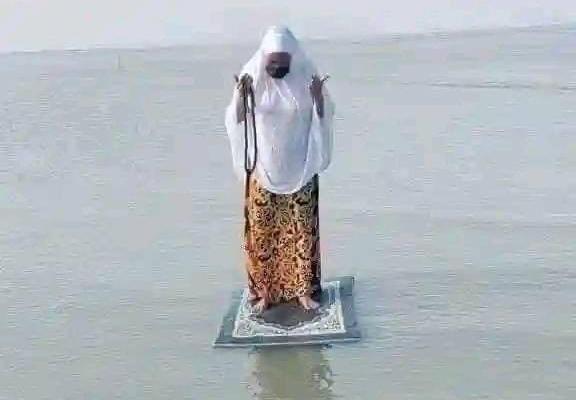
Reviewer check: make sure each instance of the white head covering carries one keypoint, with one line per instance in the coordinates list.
(294, 143)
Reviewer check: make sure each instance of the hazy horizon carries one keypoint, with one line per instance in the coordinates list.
(26, 25)
(350, 38)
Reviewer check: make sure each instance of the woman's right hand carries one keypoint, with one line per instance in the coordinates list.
(243, 83)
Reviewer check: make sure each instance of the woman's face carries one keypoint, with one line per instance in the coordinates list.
(278, 64)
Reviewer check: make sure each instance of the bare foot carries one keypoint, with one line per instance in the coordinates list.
(308, 303)
(261, 306)
(252, 296)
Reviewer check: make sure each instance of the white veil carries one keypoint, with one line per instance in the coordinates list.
(294, 143)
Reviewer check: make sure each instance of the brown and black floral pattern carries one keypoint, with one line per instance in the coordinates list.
(283, 242)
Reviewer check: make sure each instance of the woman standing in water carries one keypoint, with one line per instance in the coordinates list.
(293, 116)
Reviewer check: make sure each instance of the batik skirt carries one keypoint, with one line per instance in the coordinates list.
(282, 242)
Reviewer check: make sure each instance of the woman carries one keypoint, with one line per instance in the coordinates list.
(293, 143)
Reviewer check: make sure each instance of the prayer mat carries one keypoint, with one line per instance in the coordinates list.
(288, 324)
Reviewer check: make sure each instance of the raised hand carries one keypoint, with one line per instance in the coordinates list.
(243, 82)
(242, 85)
(316, 92)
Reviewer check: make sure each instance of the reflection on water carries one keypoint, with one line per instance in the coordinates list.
(302, 373)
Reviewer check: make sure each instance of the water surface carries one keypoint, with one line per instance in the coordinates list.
(451, 199)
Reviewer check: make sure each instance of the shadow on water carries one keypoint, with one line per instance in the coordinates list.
(297, 373)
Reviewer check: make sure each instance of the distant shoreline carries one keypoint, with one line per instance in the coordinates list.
(352, 39)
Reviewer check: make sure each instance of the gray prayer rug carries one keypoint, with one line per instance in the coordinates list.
(287, 324)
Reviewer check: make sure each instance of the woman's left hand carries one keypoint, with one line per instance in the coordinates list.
(316, 86)
(316, 92)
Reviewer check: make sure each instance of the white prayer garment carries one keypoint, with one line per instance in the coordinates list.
(293, 142)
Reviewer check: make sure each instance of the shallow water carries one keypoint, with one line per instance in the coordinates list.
(451, 199)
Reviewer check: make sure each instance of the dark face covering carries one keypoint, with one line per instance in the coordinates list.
(277, 71)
